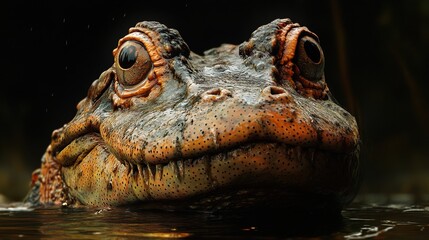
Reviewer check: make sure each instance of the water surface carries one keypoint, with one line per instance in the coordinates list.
(358, 221)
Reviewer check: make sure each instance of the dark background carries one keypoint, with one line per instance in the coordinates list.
(377, 66)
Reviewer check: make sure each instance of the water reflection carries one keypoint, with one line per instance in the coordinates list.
(395, 221)
(357, 222)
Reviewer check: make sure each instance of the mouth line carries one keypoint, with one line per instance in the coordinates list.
(249, 164)
(78, 148)
(249, 173)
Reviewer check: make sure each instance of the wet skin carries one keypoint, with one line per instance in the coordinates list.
(237, 126)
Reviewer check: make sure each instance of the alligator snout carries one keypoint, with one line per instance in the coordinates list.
(164, 123)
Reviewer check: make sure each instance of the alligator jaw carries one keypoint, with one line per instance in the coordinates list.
(100, 179)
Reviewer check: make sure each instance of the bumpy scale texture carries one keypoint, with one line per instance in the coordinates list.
(240, 125)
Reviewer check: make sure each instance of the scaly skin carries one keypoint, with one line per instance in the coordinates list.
(165, 124)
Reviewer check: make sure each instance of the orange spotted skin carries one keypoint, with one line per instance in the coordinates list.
(163, 124)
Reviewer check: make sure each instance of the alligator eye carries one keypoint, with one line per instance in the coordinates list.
(132, 63)
(127, 56)
(309, 58)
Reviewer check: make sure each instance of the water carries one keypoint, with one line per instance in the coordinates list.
(358, 221)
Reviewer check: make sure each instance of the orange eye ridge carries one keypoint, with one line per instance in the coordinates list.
(300, 61)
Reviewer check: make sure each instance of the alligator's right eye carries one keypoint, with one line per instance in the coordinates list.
(309, 58)
(133, 63)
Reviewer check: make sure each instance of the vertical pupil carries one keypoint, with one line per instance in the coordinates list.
(312, 51)
(127, 56)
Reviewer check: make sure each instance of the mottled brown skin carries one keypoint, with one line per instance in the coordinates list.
(238, 126)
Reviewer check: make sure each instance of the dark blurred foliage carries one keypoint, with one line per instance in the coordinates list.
(377, 66)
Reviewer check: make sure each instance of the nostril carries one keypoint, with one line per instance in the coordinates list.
(276, 90)
(215, 92)
(276, 94)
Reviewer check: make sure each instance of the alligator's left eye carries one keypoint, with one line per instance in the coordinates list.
(133, 63)
(309, 58)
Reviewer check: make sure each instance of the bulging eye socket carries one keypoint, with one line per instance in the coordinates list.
(309, 58)
(133, 63)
